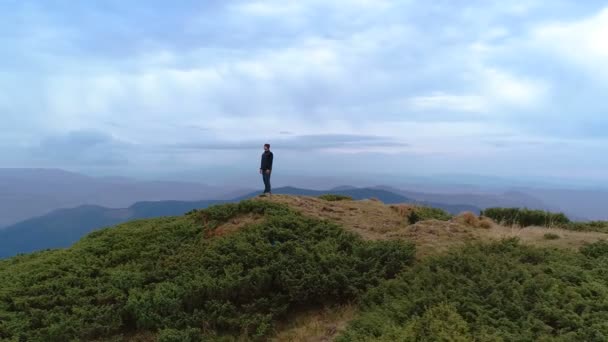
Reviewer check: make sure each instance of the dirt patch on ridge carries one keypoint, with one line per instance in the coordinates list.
(373, 220)
(233, 225)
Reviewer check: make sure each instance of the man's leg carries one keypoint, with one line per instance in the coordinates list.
(266, 178)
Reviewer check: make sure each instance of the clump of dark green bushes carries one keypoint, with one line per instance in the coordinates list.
(592, 226)
(525, 217)
(492, 292)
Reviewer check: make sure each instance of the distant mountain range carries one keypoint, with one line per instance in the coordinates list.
(27, 193)
(61, 228)
(482, 200)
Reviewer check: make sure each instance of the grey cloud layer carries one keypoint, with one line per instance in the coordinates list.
(326, 76)
(301, 142)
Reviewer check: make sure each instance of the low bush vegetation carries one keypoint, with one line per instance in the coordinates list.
(427, 213)
(497, 292)
(334, 197)
(551, 236)
(593, 226)
(596, 250)
(163, 276)
(526, 217)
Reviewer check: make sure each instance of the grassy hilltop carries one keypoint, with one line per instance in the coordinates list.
(303, 268)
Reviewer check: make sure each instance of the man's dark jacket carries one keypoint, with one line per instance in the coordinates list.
(266, 161)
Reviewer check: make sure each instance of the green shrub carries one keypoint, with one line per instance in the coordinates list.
(526, 217)
(596, 249)
(163, 275)
(551, 236)
(174, 335)
(427, 213)
(491, 292)
(439, 323)
(334, 197)
(593, 226)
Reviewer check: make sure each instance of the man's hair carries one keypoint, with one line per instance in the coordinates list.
(267, 145)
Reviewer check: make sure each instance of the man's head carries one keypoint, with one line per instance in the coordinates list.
(266, 147)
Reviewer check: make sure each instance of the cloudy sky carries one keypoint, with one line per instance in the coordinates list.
(507, 88)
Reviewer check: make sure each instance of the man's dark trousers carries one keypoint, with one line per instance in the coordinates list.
(266, 177)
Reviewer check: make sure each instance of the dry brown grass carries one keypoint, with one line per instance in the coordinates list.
(536, 236)
(469, 219)
(486, 223)
(233, 225)
(370, 219)
(316, 325)
(374, 220)
(404, 210)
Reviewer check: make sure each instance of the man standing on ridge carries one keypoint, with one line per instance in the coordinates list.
(266, 169)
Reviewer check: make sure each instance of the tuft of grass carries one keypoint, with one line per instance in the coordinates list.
(428, 213)
(334, 197)
(403, 210)
(416, 213)
(551, 236)
(316, 324)
(485, 223)
(469, 219)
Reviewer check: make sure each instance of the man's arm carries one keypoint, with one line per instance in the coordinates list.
(271, 157)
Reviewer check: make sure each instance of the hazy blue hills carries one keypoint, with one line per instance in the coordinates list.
(62, 228)
(27, 193)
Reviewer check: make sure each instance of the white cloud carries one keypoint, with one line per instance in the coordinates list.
(273, 8)
(583, 42)
(496, 92)
(506, 89)
(448, 102)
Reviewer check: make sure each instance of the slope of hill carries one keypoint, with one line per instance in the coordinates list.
(63, 227)
(240, 271)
